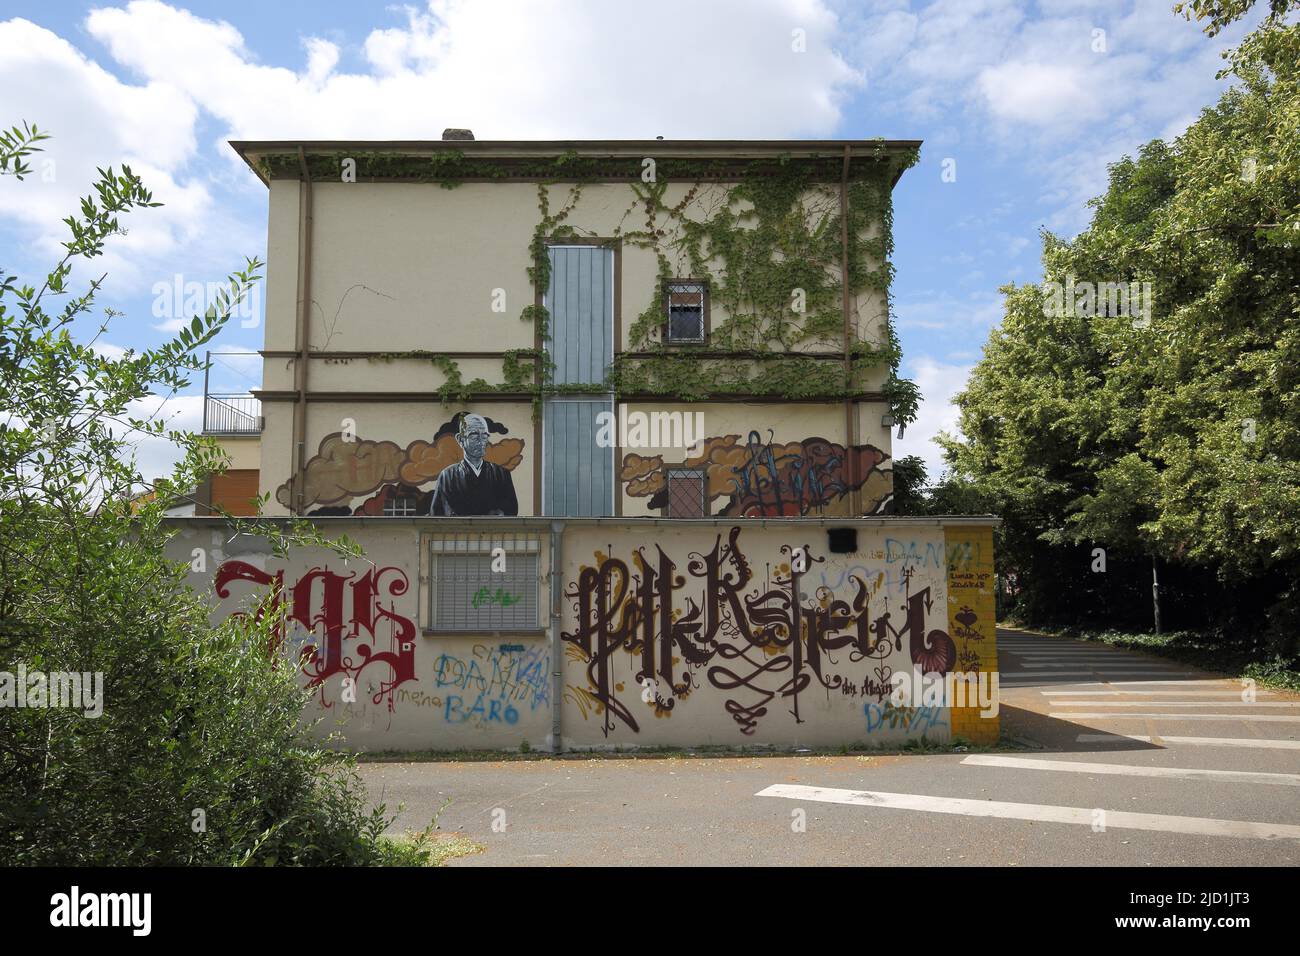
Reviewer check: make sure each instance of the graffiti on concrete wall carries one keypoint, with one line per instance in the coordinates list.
(342, 620)
(911, 720)
(493, 685)
(713, 623)
(758, 478)
(970, 587)
(347, 467)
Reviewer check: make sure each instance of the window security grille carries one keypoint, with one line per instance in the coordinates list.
(402, 506)
(466, 595)
(685, 302)
(686, 493)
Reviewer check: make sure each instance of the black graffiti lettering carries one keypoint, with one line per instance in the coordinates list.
(757, 644)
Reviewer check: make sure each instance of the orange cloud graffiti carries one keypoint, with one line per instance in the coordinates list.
(644, 476)
(343, 470)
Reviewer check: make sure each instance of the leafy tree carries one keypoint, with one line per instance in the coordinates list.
(1166, 429)
(198, 756)
(909, 485)
(1220, 13)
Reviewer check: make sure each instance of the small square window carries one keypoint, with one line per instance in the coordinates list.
(686, 304)
(686, 488)
(400, 506)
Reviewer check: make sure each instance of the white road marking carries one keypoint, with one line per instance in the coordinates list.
(1078, 659)
(1202, 682)
(1093, 672)
(1082, 652)
(1173, 703)
(1251, 742)
(1137, 667)
(1088, 658)
(1275, 718)
(1082, 816)
(1127, 770)
(1236, 695)
(1079, 656)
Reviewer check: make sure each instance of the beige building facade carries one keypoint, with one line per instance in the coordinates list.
(613, 422)
(543, 286)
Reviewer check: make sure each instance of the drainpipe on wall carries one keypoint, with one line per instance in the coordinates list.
(854, 497)
(303, 336)
(557, 644)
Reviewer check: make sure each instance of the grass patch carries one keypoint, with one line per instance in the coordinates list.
(426, 847)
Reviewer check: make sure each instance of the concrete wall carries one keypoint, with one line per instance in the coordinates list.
(674, 633)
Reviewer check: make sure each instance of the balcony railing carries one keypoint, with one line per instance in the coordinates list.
(231, 415)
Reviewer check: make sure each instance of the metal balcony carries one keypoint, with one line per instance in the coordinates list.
(231, 415)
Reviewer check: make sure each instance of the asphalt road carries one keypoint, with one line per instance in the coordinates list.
(1128, 760)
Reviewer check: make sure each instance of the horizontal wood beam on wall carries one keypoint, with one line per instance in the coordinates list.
(642, 397)
(395, 355)
(683, 353)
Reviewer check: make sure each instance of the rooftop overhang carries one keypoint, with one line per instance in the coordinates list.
(568, 160)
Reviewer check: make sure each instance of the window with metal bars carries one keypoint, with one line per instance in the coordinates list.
(475, 588)
(687, 319)
(686, 488)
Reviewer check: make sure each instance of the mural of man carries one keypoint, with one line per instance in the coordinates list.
(474, 486)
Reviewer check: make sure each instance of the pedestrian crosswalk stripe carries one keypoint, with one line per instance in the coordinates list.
(1235, 695)
(1271, 718)
(1085, 656)
(1199, 682)
(1129, 770)
(1080, 816)
(1047, 654)
(1142, 667)
(1254, 743)
(1174, 703)
(1091, 673)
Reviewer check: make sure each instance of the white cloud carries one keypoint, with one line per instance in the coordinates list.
(941, 310)
(507, 70)
(155, 457)
(1044, 97)
(939, 383)
(96, 120)
(1039, 93)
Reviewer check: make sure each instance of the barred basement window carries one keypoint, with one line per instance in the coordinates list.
(686, 493)
(687, 311)
(402, 506)
(466, 594)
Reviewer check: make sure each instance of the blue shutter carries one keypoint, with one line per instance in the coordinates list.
(578, 475)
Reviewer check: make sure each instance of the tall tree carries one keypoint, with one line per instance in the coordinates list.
(1146, 399)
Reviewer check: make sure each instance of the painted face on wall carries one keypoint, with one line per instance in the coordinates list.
(473, 437)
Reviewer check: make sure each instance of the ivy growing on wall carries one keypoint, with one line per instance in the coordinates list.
(771, 252)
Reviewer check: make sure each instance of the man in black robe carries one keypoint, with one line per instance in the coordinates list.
(474, 486)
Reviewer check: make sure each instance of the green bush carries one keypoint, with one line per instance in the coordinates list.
(199, 755)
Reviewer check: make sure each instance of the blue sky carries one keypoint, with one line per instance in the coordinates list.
(1026, 102)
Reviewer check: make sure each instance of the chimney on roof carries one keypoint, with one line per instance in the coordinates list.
(450, 133)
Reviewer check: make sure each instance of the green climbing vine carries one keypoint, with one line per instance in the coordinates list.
(771, 253)
(517, 369)
(765, 235)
